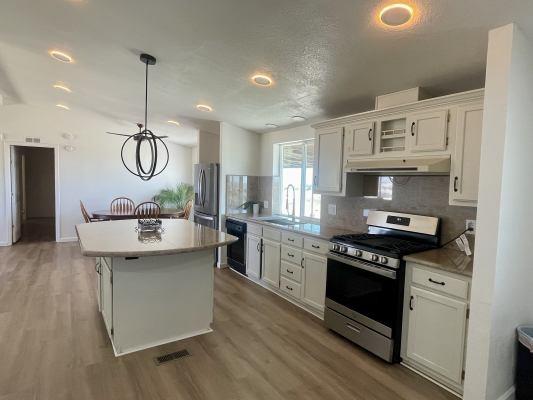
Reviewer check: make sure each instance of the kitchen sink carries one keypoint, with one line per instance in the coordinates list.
(280, 221)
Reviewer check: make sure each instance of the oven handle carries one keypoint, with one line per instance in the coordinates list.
(363, 265)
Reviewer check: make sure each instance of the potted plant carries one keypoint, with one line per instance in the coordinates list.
(176, 197)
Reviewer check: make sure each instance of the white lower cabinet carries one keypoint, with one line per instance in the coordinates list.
(314, 280)
(253, 256)
(271, 262)
(435, 325)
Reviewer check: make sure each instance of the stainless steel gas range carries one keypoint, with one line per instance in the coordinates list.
(365, 279)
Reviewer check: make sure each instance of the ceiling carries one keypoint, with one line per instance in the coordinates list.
(327, 58)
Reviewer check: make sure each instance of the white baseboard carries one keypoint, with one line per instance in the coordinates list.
(509, 394)
(4, 244)
(67, 239)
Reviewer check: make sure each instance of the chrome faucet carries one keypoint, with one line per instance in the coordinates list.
(293, 199)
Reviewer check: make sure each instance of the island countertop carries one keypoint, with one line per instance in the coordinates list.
(120, 239)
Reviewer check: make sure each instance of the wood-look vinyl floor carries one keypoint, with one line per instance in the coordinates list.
(53, 344)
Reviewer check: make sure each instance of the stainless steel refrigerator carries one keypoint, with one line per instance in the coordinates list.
(206, 194)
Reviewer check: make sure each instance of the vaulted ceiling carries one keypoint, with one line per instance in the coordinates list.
(327, 58)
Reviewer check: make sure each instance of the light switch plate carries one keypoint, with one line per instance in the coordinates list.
(265, 204)
(332, 209)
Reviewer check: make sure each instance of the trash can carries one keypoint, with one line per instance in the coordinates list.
(524, 363)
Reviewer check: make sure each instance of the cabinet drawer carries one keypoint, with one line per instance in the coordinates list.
(291, 271)
(291, 239)
(441, 283)
(272, 234)
(316, 245)
(291, 254)
(254, 229)
(291, 288)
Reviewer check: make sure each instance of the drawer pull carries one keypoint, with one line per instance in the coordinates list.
(288, 287)
(411, 303)
(353, 328)
(290, 240)
(290, 255)
(290, 272)
(302, 263)
(314, 246)
(437, 282)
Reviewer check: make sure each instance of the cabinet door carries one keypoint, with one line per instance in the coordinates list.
(427, 130)
(98, 268)
(436, 333)
(271, 262)
(328, 160)
(253, 256)
(359, 139)
(466, 154)
(314, 281)
(107, 296)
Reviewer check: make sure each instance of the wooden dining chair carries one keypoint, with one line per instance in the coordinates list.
(187, 210)
(148, 209)
(86, 216)
(122, 205)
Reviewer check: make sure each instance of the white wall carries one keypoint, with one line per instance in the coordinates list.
(93, 173)
(503, 279)
(208, 147)
(282, 136)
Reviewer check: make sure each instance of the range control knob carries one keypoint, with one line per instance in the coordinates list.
(384, 260)
(375, 257)
(358, 253)
(344, 249)
(335, 247)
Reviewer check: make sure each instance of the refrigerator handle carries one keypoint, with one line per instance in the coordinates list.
(200, 186)
(203, 188)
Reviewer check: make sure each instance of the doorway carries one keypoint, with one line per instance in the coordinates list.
(33, 202)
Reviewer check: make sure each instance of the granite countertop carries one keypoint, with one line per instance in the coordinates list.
(308, 229)
(446, 259)
(120, 239)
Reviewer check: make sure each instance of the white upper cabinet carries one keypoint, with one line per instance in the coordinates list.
(464, 178)
(327, 170)
(427, 131)
(359, 139)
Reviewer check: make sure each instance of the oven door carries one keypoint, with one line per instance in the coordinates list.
(364, 292)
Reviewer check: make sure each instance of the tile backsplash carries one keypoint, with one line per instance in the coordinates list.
(425, 195)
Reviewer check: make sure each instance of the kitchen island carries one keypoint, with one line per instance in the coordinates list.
(156, 287)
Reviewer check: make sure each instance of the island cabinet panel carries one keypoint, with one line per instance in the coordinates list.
(161, 299)
(107, 296)
(98, 270)
(253, 256)
(314, 286)
(271, 262)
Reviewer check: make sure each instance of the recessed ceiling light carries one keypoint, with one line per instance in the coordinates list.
(171, 121)
(396, 15)
(63, 87)
(262, 80)
(204, 107)
(61, 56)
(272, 125)
(64, 107)
(298, 118)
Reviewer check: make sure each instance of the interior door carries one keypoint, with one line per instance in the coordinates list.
(360, 139)
(16, 193)
(437, 326)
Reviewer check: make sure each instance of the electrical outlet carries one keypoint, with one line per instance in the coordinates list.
(471, 224)
(366, 211)
(265, 204)
(332, 209)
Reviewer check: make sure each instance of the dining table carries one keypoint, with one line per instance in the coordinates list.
(110, 215)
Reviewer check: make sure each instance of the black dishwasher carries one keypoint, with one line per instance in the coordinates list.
(237, 250)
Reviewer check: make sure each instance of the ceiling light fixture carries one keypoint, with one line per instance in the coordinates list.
(262, 80)
(64, 107)
(396, 15)
(171, 121)
(272, 125)
(63, 87)
(204, 107)
(298, 118)
(61, 56)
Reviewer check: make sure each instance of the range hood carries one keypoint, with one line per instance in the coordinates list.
(428, 165)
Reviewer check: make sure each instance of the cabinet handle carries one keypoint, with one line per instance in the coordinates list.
(455, 180)
(290, 272)
(370, 134)
(314, 246)
(97, 268)
(411, 303)
(290, 255)
(437, 282)
(413, 129)
(353, 328)
(302, 263)
(288, 287)
(290, 240)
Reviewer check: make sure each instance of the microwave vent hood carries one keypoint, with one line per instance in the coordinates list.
(428, 165)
